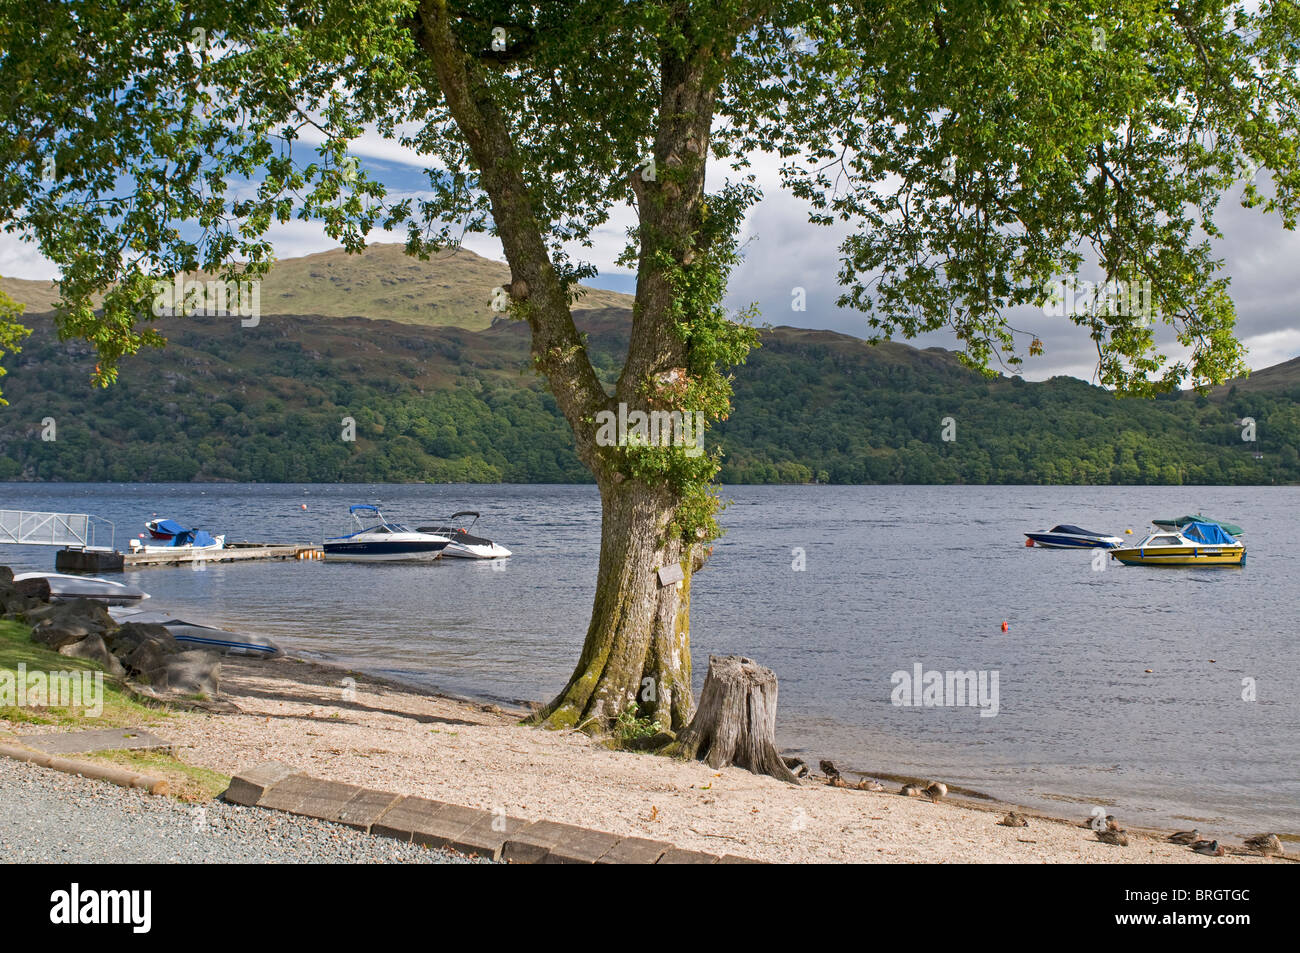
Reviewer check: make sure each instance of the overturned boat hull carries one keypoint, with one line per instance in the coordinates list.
(63, 586)
(191, 635)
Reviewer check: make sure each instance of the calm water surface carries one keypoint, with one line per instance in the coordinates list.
(893, 576)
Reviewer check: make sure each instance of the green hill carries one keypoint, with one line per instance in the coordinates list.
(267, 403)
(452, 288)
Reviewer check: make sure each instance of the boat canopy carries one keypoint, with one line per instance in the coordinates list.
(1073, 530)
(170, 526)
(1184, 521)
(363, 508)
(1208, 533)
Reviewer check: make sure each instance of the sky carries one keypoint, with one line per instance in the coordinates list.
(782, 251)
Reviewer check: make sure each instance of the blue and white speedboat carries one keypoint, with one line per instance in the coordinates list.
(1066, 536)
(376, 539)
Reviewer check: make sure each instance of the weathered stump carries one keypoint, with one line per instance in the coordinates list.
(736, 720)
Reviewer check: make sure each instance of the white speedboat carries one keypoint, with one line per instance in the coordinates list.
(382, 541)
(107, 591)
(1066, 536)
(463, 545)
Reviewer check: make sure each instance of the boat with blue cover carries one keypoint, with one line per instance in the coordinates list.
(168, 535)
(1196, 544)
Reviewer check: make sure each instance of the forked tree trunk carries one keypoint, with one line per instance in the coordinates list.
(637, 650)
(736, 720)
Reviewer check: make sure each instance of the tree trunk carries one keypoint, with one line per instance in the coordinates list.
(637, 650)
(736, 721)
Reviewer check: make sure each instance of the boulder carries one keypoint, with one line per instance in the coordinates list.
(6, 574)
(55, 634)
(88, 611)
(187, 673)
(92, 647)
(146, 656)
(38, 588)
(13, 602)
(124, 640)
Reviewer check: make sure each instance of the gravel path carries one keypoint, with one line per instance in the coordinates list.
(50, 817)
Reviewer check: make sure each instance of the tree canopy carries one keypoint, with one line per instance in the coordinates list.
(977, 149)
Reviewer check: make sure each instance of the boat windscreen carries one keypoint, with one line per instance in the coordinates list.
(1073, 530)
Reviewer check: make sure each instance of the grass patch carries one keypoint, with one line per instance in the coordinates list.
(187, 782)
(121, 710)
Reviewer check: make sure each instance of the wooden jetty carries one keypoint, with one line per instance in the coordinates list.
(231, 552)
(85, 559)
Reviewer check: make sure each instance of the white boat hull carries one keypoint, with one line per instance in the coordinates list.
(456, 550)
(64, 586)
(219, 542)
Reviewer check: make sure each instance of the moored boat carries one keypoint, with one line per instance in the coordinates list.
(1067, 536)
(383, 541)
(163, 529)
(1232, 529)
(1196, 544)
(463, 545)
(168, 536)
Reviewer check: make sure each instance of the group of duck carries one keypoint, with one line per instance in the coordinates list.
(934, 791)
(1266, 845)
(1108, 831)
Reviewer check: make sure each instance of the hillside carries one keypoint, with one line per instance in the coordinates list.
(452, 288)
(224, 402)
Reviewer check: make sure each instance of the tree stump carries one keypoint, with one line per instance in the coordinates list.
(736, 720)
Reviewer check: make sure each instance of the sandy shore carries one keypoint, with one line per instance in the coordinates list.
(396, 739)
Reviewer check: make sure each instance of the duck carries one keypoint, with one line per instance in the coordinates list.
(1185, 837)
(836, 781)
(829, 769)
(1210, 848)
(911, 790)
(1094, 823)
(1113, 836)
(936, 790)
(866, 784)
(1014, 820)
(1270, 845)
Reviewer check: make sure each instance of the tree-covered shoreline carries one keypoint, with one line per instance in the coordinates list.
(226, 404)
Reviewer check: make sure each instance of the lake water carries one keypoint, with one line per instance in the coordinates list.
(894, 576)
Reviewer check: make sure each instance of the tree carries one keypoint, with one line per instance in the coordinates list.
(977, 152)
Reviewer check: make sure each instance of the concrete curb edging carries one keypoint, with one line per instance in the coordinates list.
(87, 769)
(277, 786)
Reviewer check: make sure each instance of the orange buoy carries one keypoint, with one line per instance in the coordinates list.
(1029, 542)
(1005, 626)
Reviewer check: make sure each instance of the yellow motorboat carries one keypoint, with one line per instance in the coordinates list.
(1197, 544)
